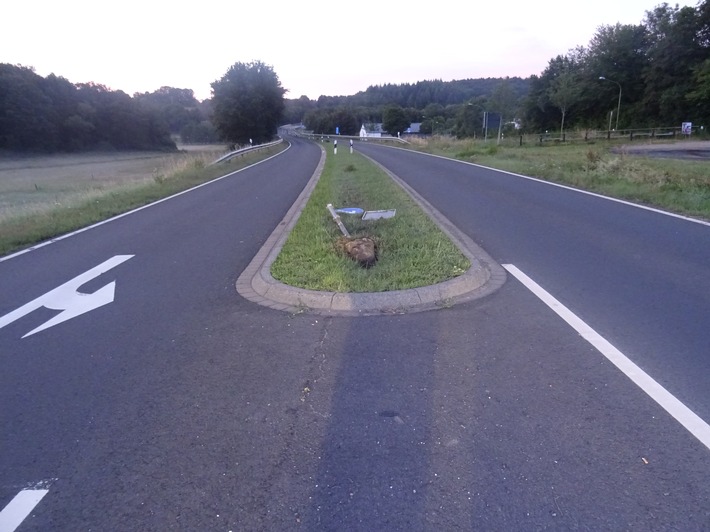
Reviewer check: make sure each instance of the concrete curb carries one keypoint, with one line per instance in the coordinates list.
(257, 285)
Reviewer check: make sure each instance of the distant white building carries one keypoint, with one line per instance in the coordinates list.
(373, 131)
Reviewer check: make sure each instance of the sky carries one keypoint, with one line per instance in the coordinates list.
(314, 47)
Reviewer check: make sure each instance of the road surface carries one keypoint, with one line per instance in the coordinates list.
(178, 405)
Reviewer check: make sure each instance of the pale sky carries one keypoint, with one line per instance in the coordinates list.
(315, 47)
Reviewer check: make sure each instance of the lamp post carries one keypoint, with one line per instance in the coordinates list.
(618, 105)
(485, 119)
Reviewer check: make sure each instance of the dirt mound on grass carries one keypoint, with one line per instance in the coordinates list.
(362, 250)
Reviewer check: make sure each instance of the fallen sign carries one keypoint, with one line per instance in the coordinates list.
(349, 210)
(362, 250)
(379, 215)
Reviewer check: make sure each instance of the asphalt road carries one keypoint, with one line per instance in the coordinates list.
(182, 406)
(639, 277)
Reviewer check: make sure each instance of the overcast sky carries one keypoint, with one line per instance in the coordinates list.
(315, 47)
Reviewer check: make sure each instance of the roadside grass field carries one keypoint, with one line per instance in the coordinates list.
(46, 196)
(678, 185)
(412, 250)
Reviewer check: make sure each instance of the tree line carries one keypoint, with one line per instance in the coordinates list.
(184, 115)
(50, 114)
(455, 108)
(654, 74)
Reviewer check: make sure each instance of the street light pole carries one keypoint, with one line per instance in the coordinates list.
(485, 120)
(618, 105)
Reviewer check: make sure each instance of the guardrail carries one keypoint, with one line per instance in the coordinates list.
(246, 150)
(329, 138)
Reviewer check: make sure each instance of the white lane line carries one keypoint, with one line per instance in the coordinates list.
(138, 209)
(19, 508)
(686, 417)
(566, 187)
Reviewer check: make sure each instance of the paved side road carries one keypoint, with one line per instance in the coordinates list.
(689, 149)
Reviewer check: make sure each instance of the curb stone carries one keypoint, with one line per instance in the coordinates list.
(256, 284)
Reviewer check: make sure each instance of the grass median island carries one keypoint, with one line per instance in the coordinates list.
(412, 250)
(34, 211)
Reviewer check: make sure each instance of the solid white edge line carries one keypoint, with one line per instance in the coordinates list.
(119, 216)
(567, 187)
(686, 417)
(19, 508)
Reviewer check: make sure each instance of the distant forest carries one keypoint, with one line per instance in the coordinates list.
(426, 101)
(654, 74)
(50, 114)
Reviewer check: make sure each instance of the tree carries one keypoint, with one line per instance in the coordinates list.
(346, 122)
(52, 114)
(504, 102)
(563, 93)
(200, 133)
(248, 103)
(395, 120)
(700, 96)
(325, 121)
(24, 110)
(296, 110)
(177, 107)
(470, 119)
(618, 53)
(676, 49)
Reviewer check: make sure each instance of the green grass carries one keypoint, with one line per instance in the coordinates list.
(69, 206)
(676, 185)
(413, 251)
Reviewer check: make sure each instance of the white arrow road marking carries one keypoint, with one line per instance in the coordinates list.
(19, 508)
(68, 299)
(686, 417)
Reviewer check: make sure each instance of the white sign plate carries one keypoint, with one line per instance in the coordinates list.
(378, 215)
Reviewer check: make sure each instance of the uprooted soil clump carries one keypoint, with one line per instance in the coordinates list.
(362, 250)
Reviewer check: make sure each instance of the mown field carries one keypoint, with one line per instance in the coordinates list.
(45, 196)
(30, 185)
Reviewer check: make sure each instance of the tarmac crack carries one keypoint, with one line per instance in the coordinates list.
(286, 463)
(316, 363)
